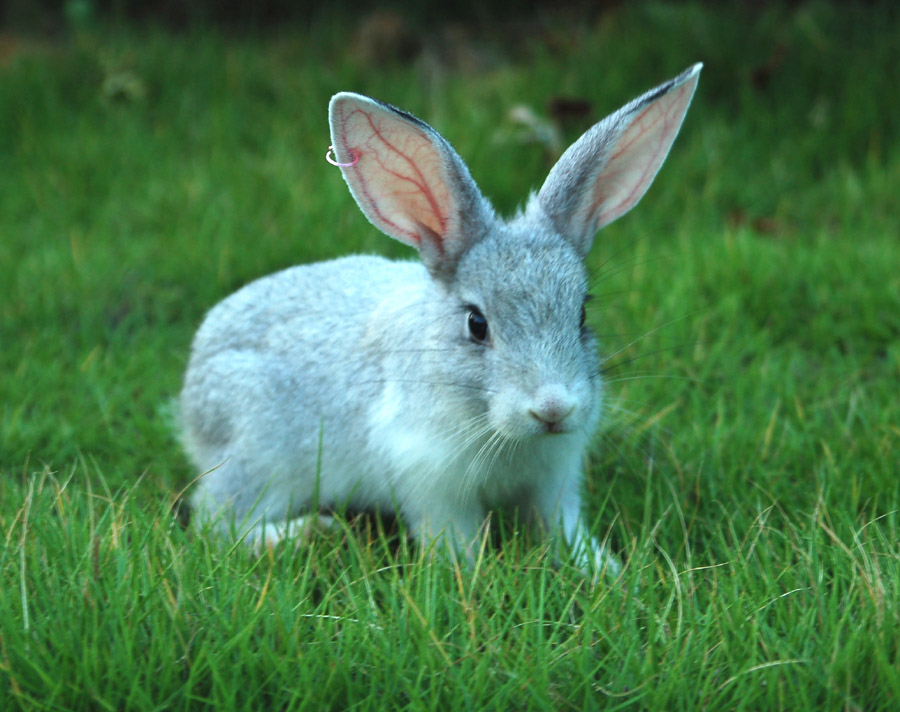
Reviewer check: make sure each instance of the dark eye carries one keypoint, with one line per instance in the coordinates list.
(583, 318)
(478, 326)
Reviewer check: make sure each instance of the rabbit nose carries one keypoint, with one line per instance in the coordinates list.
(552, 407)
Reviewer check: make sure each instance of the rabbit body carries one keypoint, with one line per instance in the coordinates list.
(396, 412)
(437, 389)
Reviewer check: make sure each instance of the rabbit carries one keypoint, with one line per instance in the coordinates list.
(435, 389)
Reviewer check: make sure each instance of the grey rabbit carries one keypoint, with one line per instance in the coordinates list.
(435, 389)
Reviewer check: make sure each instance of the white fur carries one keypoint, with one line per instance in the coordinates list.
(438, 389)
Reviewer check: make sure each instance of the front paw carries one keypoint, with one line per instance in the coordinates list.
(596, 560)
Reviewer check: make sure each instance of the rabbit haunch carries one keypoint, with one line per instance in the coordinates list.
(438, 389)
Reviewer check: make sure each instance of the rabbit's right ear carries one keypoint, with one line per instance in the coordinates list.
(407, 180)
(607, 171)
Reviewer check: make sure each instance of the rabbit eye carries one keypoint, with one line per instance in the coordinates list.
(582, 319)
(478, 326)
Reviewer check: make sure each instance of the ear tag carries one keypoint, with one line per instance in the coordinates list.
(339, 164)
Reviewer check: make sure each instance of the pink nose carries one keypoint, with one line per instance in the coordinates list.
(551, 407)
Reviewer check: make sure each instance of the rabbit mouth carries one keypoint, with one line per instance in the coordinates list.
(551, 422)
(553, 409)
(554, 428)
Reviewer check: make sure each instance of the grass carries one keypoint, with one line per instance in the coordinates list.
(748, 470)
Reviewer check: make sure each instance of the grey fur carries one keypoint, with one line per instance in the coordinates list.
(359, 381)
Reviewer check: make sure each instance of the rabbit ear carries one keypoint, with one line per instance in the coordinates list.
(408, 181)
(607, 171)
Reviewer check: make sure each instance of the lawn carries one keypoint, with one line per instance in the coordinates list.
(748, 468)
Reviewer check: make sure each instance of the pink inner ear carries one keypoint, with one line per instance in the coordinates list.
(398, 180)
(638, 154)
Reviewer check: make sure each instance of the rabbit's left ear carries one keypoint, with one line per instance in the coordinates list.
(607, 171)
(407, 180)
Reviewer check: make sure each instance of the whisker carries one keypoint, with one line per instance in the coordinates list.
(646, 334)
(423, 382)
(471, 431)
(483, 461)
(497, 452)
(606, 369)
(628, 247)
(648, 376)
(595, 276)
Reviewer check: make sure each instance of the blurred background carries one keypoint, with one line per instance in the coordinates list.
(155, 156)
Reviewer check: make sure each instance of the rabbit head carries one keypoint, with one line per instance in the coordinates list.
(517, 287)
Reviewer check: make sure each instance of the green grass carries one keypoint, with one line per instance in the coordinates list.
(748, 471)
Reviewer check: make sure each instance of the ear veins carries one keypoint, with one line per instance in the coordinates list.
(654, 112)
(415, 177)
(373, 204)
(362, 183)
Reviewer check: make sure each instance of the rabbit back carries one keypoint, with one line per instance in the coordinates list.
(278, 383)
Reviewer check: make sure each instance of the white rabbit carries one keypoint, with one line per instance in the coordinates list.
(435, 389)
